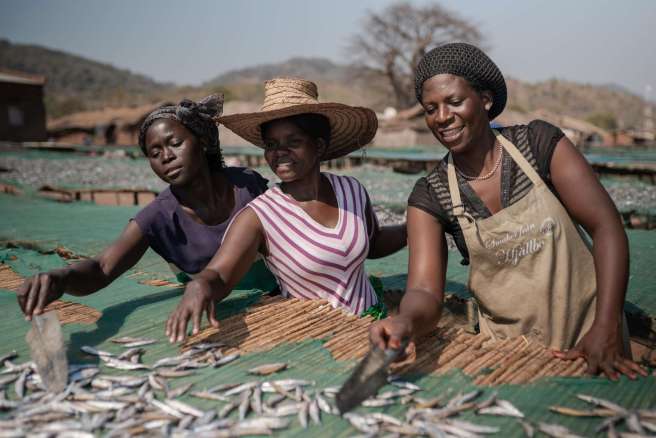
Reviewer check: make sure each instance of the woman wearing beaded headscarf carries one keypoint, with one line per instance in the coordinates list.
(184, 224)
(516, 201)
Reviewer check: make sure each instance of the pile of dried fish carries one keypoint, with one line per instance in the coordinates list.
(147, 404)
(641, 422)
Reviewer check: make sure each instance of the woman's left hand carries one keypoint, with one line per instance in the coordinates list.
(197, 298)
(602, 349)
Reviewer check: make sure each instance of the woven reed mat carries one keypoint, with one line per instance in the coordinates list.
(275, 320)
(67, 312)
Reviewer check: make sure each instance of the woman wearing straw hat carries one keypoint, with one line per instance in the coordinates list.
(315, 229)
(511, 199)
(187, 220)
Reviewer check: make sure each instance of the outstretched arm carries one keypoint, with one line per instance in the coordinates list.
(231, 262)
(589, 204)
(85, 277)
(384, 240)
(421, 305)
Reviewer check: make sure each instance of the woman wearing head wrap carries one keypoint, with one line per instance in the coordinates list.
(512, 199)
(314, 229)
(184, 224)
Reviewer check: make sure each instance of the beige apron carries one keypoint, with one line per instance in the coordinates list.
(531, 271)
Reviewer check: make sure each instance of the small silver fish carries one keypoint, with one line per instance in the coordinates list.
(209, 396)
(360, 423)
(403, 384)
(285, 409)
(207, 418)
(529, 430)
(186, 421)
(378, 402)
(180, 390)
(323, 404)
(225, 410)
(19, 386)
(184, 408)
(173, 373)
(395, 394)
(191, 364)
(461, 399)
(226, 360)
(166, 408)
(303, 414)
(265, 422)
(556, 430)
(168, 361)
(129, 381)
(244, 404)
(315, 412)
(157, 382)
(83, 374)
(124, 365)
(269, 368)
(8, 379)
(605, 403)
(212, 426)
(139, 343)
(241, 388)
(8, 356)
(471, 427)
(131, 354)
(94, 352)
(384, 418)
(256, 400)
(222, 387)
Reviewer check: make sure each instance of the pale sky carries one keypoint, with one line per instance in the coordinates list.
(188, 42)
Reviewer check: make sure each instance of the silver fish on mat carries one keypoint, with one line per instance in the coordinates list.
(124, 365)
(556, 431)
(177, 392)
(95, 352)
(266, 369)
(224, 360)
(130, 340)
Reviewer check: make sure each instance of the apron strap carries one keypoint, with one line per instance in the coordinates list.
(464, 219)
(519, 158)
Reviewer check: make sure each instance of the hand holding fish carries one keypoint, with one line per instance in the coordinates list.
(38, 291)
(602, 350)
(197, 298)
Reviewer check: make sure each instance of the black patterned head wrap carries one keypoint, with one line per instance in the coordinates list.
(468, 62)
(197, 118)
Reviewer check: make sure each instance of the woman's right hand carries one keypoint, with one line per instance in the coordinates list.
(38, 291)
(390, 332)
(197, 299)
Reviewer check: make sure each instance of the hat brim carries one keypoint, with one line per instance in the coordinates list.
(351, 127)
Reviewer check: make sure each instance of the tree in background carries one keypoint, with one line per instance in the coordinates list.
(392, 42)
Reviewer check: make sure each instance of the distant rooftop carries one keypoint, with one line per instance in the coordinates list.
(21, 78)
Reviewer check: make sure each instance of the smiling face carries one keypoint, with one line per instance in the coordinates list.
(291, 153)
(174, 153)
(455, 112)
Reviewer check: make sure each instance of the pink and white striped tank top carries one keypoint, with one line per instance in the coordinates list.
(312, 261)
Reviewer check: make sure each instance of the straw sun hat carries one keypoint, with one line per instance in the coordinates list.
(350, 127)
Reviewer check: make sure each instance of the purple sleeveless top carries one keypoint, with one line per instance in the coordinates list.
(180, 240)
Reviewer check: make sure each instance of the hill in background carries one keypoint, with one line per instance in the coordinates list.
(76, 84)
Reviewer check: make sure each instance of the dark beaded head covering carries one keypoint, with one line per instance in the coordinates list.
(197, 118)
(468, 62)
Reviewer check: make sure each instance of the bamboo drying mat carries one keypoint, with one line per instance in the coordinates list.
(67, 312)
(275, 320)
